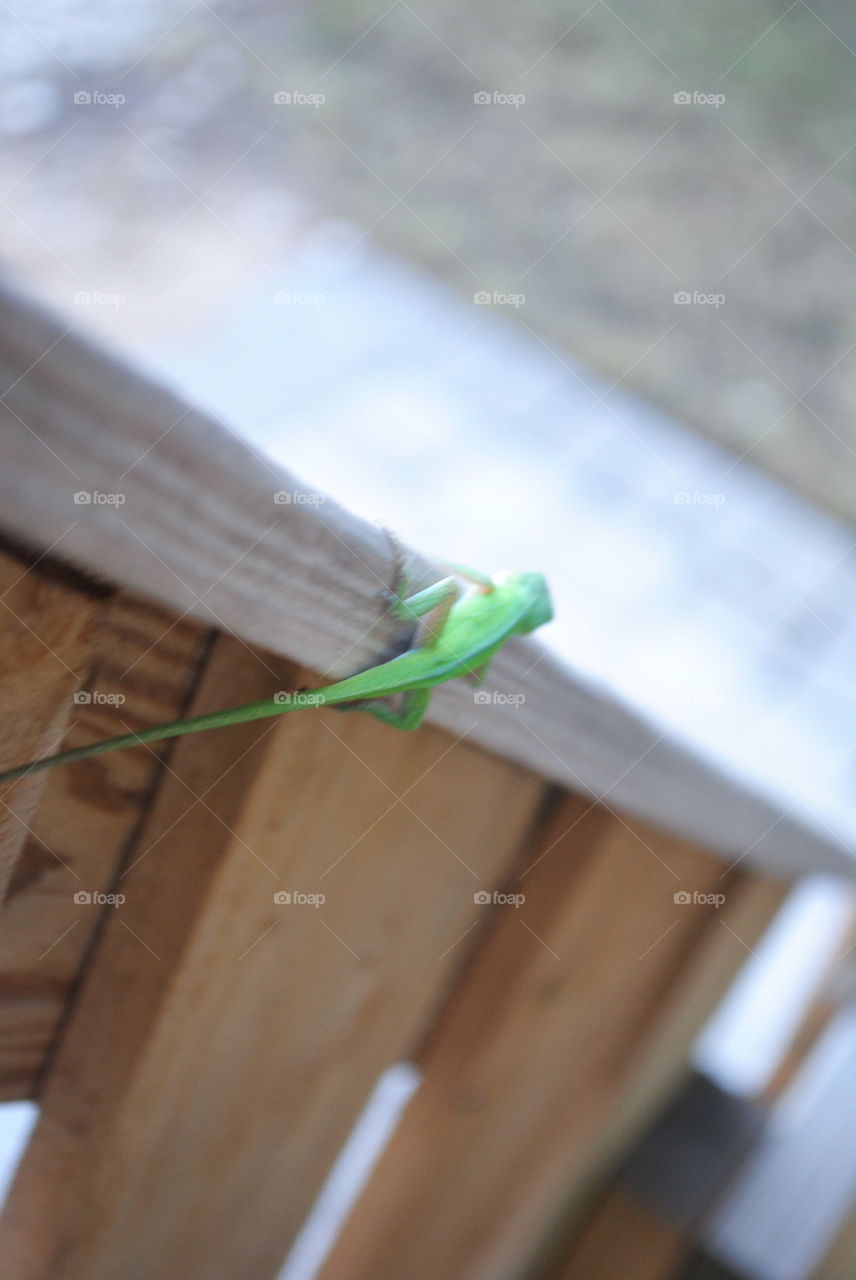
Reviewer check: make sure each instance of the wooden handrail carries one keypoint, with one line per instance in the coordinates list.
(185, 513)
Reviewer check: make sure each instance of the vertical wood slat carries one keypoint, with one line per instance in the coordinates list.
(87, 813)
(176, 854)
(705, 974)
(665, 1188)
(223, 1044)
(46, 632)
(537, 1048)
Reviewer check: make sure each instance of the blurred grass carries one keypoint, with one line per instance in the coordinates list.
(707, 208)
(598, 198)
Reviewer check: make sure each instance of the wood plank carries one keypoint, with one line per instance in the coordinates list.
(223, 1044)
(198, 529)
(667, 1185)
(88, 813)
(705, 975)
(46, 629)
(179, 509)
(627, 1238)
(536, 1049)
(177, 853)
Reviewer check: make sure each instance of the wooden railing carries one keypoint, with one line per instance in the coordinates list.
(201, 1049)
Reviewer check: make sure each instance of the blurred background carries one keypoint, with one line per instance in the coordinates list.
(562, 286)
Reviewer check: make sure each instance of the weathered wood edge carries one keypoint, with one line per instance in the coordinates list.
(199, 530)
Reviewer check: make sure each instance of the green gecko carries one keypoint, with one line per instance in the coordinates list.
(461, 632)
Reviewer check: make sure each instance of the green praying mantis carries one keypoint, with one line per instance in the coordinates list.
(460, 633)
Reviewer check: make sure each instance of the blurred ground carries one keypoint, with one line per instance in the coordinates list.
(597, 199)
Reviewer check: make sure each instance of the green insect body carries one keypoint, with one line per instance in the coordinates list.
(460, 634)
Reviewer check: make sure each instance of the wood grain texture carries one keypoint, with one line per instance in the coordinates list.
(87, 814)
(198, 529)
(224, 1043)
(168, 875)
(45, 643)
(538, 1048)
